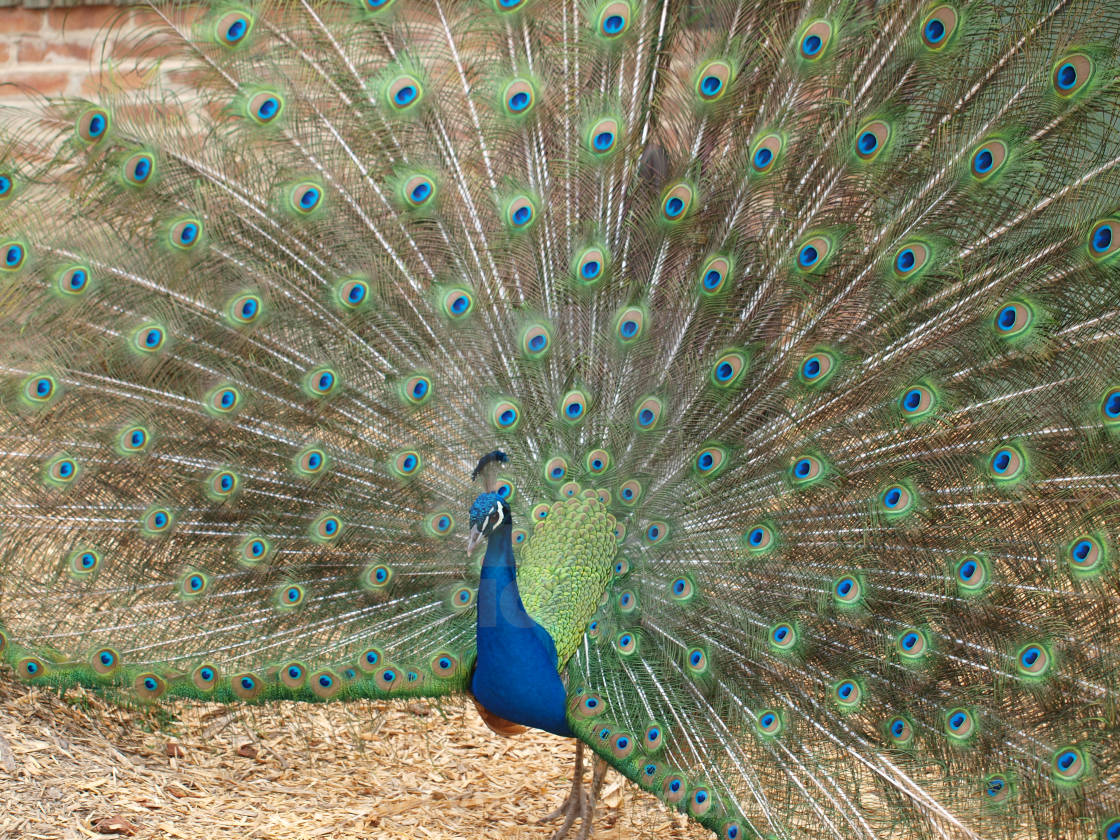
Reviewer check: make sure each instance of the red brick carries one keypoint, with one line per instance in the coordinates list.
(20, 22)
(72, 49)
(82, 17)
(30, 49)
(50, 84)
(115, 80)
(5, 53)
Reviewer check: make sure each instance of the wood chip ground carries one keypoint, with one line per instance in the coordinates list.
(75, 767)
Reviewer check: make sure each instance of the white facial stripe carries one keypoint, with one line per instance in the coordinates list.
(501, 515)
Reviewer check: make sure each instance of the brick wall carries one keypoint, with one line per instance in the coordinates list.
(55, 50)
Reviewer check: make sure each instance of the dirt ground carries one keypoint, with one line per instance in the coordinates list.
(75, 767)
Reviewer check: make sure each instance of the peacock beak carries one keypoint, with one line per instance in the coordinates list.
(474, 539)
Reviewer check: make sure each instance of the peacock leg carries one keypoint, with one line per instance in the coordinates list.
(579, 803)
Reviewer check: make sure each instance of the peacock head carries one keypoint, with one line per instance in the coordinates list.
(488, 513)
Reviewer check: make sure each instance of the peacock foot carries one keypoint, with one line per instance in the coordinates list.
(579, 803)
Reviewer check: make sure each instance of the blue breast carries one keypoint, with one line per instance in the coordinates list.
(515, 675)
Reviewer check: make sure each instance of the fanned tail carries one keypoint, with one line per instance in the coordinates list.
(819, 300)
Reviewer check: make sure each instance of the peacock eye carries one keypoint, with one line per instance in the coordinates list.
(493, 517)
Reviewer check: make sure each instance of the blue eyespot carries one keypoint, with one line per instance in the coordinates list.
(1102, 238)
(934, 31)
(1066, 77)
(519, 101)
(811, 45)
(763, 157)
(674, 207)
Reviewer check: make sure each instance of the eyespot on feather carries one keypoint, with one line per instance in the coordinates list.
(1071, 74)
(848, 591)
(813, 254)
(138, 169)
(321, 382)
(305, 198)
(185, 234)
(676, 202)
(310, 462)
(603, 137)
(519, 97)
(1104, 240)
(205, 677)
(713, 79)
(814, 40)
(536, 341)
(715, 274)
(520, 212)
(1069, 764)
(899, 731)
(458, 303)
(254, 551)
(264, 107)
(1086, 555)
(912, 645)
(988, 159)
(938, 27)
(589, 265)
(83, 562)
(417, 389)
(766, 152)
(93, 125)
(156, 522)
(418, 191)
(246, 686)
(630, 491)
(505, 416)
(224, 400)
(972, 574)
(233, 28)
(1007, 464)
(728, 369)
(897, 500)
(613, 19)
(910, 261)
(73, 281)
(847, 694)
(806, 469)
(404, 93)
(105, 661)
(817, 368)
(293, 675)
(598, 461)
(326, 527)
(871, 139)
(574, 406)
(149, 686)
(244, 309)
(770, 723)
(630, 325)
(918, 402)
(1013, 319)
(15, 256)
(440, 523)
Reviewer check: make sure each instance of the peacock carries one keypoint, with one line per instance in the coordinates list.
(731, 386)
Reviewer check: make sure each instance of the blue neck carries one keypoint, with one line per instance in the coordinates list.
(515, 676)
